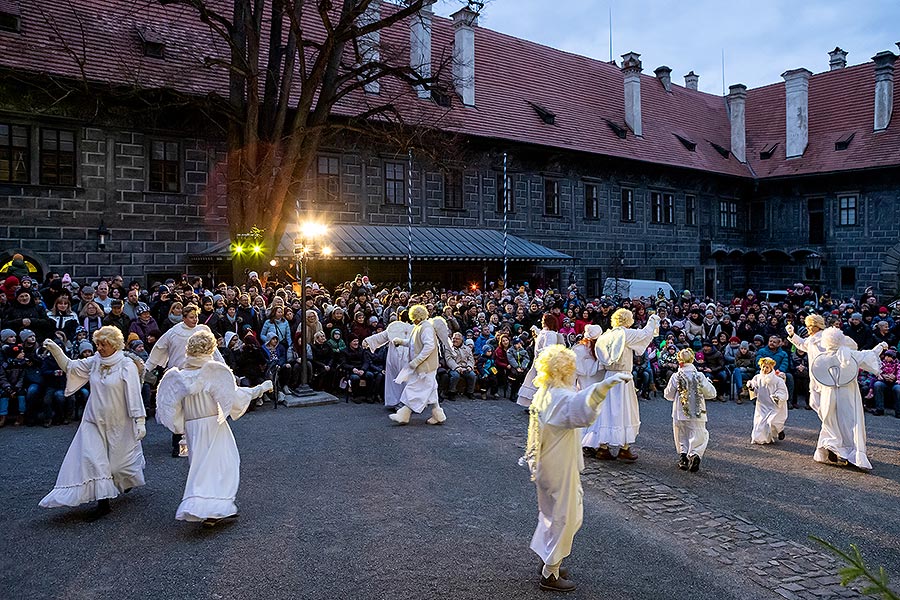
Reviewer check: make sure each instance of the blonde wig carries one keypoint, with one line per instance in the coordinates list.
(685, 356)
(418, 313)
(202, 343)
(555, 367)
(622, 318)
(188, 309)
(765, 360)
(814, 321)
(111, 335)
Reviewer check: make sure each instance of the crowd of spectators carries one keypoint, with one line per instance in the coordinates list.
(258, 325)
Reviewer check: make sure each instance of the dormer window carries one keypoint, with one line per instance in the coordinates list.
(153, 45)
(547, 116)
(692, 146)
(844, 141)
(620, 131)
(767, 151)
(721, 150)
(10, 18)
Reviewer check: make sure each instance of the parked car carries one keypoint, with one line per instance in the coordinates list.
(636, 288)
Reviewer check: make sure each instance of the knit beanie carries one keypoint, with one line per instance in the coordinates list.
(85, 345)
(25, 334)
(6, 333)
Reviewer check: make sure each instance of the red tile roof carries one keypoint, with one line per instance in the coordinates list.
(583, 93)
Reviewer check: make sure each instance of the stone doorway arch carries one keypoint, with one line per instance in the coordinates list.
(37, 266)
(889, 279)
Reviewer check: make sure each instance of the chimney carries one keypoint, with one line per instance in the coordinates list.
(796, 92)
(464, 22)
(420, 47)
(369, 44)
(664, 74)
(838, 59)
(631, 68)
(737, 99)
(884, 88)
(691, 80)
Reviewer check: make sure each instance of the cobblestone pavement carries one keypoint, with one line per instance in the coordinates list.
(338, 503)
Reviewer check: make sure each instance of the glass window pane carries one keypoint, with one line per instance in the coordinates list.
(156, 151)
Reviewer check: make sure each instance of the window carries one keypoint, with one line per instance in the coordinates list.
(661, 275)
(507, 192)
(164, 167)
(688, 280)
(593, 282)
(668, 209)
(690, 210)
(591, 201)
(551, 197)
(627, 205)
(848, 277)
(394, 183)
(728, 214)
(847, 206)
(816, 214)
(10, 19)
(656, 211)
(453, 189)
(758, 215)
(57, 157)
(14, 154)
(328, 179)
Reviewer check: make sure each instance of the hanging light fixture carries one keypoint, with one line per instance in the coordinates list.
(102, 236)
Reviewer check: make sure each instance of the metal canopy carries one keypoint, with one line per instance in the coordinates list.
(378, 242)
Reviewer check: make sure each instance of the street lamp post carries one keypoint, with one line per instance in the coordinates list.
(303, 248)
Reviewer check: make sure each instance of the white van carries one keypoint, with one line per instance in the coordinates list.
(635, 288)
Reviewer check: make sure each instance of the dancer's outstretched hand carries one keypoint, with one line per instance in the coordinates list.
(790, 329)
(267, 386)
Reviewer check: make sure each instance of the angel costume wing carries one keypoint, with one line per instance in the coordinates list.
(217, 380)
(398, 329)
(442, 331)
(611, 346)
(172, 389)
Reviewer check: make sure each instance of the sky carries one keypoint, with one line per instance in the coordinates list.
(761, 39)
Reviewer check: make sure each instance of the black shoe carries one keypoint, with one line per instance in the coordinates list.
(792, 406)
(878, 412)
(695, 463)
(683, 462)
(807, 407)
(557, 584)
(175, 452)
(470, 396)
(780, 435)
(101, 510)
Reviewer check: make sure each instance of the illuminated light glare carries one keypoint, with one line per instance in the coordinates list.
(237, 249)
(326, 251)
(256, 249)
(273, 262)
(311, 229)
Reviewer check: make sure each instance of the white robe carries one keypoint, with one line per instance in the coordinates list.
(105, 457)
(771, 410)
(197, 401)
(545, 338)
(843, 417)
(170, 350)
(397, 358)
(620, 420)
(813, 347)
(691, 436)
(558, 471)
(421, 387)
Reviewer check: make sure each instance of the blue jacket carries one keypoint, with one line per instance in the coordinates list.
(782, 362)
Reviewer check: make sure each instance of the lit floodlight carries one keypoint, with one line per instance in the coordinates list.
(311, 229)
(326, 251)
(257, 249)
(237, 249)
(273, 262)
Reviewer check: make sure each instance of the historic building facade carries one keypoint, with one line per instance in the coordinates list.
(615, 174)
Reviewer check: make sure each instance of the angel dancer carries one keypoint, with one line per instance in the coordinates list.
(770, 392)
(842, 439)
(397, 356)
(197, 400)
(688, 390)
(812, 346)
(420, 373)
(547, 337)
(613, 433)
(105, 457)
(553, 453)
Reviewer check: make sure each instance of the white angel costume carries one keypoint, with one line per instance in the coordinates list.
(843, 430)
(813, 347)
(170, 350)
(196, 401)
(397, 358)
(554, 454)
(105, 457)
(546, 337)
(420, 373)
(620, 421)
(771, 410)
(688, 390)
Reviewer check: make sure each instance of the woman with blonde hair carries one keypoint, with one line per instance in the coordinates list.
(91, 316)
(553, 454)
(105, 457)
(770, 392)
(197, 400)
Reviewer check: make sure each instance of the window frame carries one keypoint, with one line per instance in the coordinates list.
(656, 208)
(728, 214)
(552, 201)
(668, 208)
(848, 210)
(626, 216)
(324, 181)
(591, 202)
(394, 183)
(9, 146)
(57, 153)
(844, 271)
(166, 164)
(690, 210)
(454, 194)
